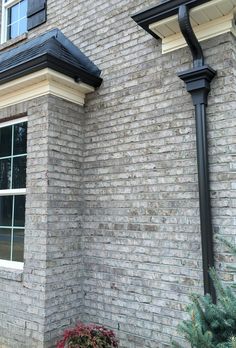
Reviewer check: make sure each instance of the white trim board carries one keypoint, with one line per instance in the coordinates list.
(11, 264)
(43, 82)
(211, 19)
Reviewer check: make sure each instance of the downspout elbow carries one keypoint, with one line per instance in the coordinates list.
(190, 37)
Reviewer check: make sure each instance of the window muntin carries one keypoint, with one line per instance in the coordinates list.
(13, 154)
(14, 18)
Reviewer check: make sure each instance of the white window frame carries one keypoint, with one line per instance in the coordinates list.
(12, 192)
(5, 7)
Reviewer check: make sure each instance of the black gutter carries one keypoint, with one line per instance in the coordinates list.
(162, 11)
(49, 61)
(197, 82)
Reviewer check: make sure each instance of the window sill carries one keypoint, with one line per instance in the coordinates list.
(11, 270)
(13, 42)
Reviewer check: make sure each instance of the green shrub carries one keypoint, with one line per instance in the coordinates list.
(212, 325)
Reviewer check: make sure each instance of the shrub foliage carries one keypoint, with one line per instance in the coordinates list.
(88, 336)
(212, 325)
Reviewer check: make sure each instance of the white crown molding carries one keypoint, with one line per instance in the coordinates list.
(211, 19)
(43, 82)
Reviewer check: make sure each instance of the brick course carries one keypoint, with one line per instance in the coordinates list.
(113, 231)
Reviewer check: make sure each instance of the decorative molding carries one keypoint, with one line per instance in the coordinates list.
(43, 82)
(211, 19)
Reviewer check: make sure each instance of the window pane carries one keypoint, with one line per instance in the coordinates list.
(12, 31)
(14, 13)
(5, 141)
(22, 26)
(18, 245)
(5, 174)
(19, 209)
(19, 172)
(5, 243)
(6, 210)
(23, 8)
(20, 138)
(9, 16)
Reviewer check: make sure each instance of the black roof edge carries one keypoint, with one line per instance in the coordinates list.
(76, 52)
(162, 11)
(63, 40)
(49, 61)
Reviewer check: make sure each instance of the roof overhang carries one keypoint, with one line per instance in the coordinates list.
(47, 64)
(208, 19)
(47, 60)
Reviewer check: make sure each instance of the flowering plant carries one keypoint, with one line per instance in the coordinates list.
(88, 336)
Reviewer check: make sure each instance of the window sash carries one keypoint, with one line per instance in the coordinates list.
(12, 122)
(5, 7)
(13, 192)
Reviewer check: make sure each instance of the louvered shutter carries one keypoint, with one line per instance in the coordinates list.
(36, 13)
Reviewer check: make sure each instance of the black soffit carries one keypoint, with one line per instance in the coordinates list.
(164, 10)
(50, 50)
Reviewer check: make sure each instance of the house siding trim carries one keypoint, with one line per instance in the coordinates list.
(43, 82)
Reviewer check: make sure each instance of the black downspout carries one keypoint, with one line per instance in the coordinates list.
(197, 82)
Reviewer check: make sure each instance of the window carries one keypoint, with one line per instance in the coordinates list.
(14, 18)
(13, 154)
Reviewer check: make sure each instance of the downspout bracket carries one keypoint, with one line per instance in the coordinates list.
(197, 82)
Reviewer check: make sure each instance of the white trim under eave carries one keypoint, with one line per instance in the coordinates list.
(43, 82)
(211, 19)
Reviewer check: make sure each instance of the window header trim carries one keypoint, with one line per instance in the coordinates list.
(13, 121)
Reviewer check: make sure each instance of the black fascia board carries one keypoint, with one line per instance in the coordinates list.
(49, 61)
(162, 11)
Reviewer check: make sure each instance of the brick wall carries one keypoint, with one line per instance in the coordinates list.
(140, 234)
(48, 294)
(63, 298)
(141, 221)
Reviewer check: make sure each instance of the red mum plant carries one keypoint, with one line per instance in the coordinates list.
(88, 336)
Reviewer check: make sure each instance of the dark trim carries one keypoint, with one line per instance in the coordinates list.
(12, 118)
(49, 61)
(198, 82)
(57, 35)
(190, 37)
(162, 11)
(36, 13)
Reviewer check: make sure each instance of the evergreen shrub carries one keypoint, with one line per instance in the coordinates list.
(212, 325)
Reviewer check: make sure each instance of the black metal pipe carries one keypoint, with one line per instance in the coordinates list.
(190, 37)
(198, 82)
(204, 198)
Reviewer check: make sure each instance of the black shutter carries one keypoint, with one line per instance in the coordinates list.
(36, 13)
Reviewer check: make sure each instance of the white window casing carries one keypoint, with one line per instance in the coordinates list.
(6, 5)
(12, 192)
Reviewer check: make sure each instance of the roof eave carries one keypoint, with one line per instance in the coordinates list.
(49, 61)
(162, 11)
